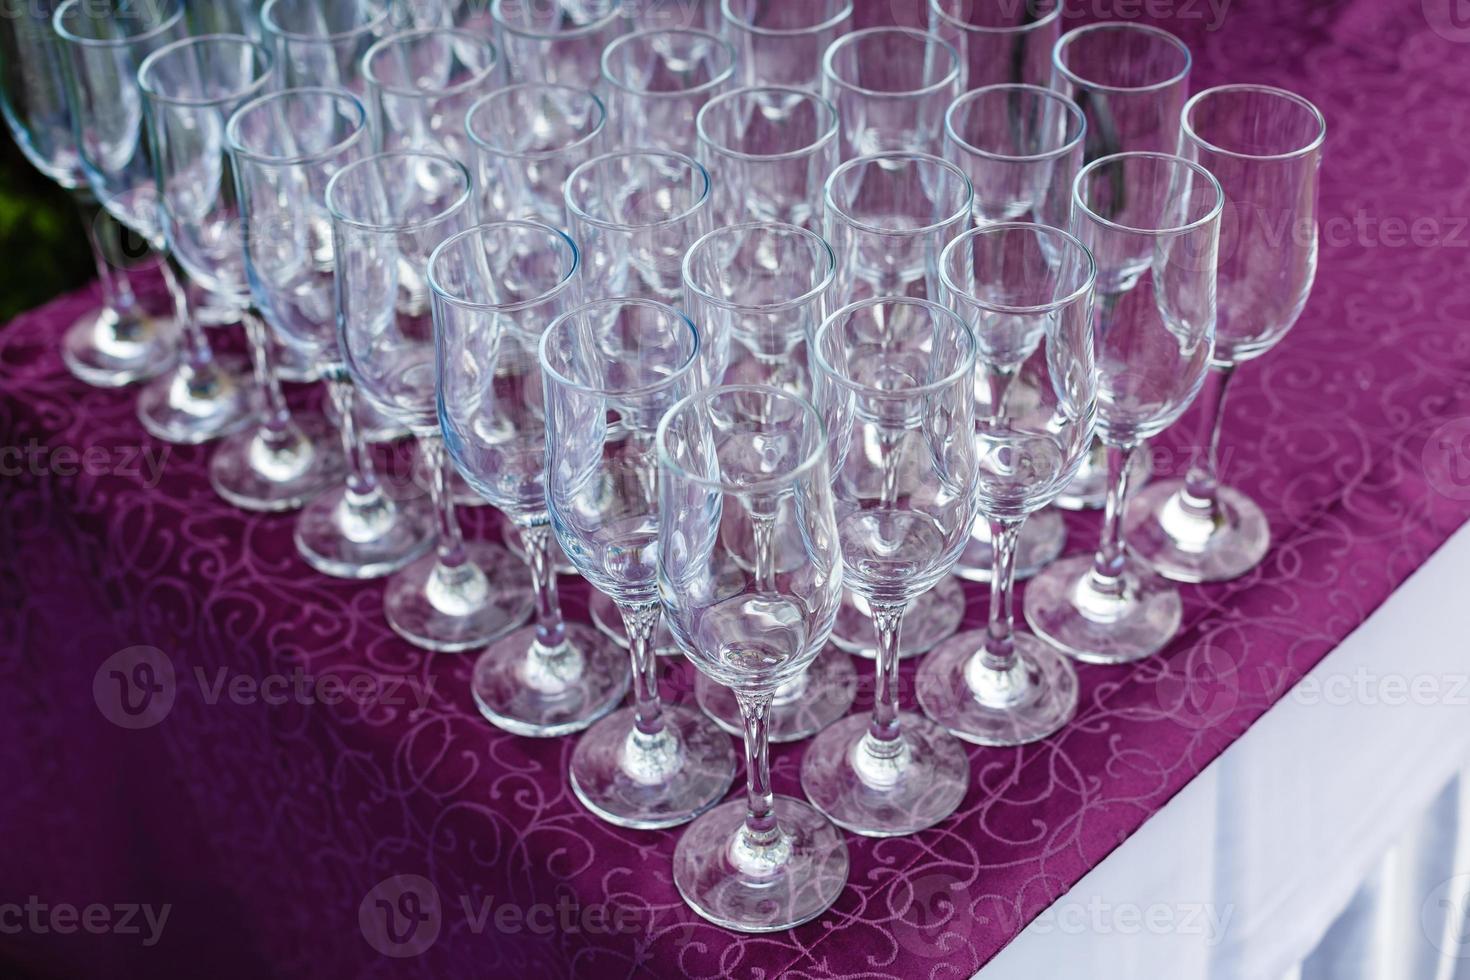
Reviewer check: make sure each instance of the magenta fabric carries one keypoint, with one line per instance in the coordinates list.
(282, 834)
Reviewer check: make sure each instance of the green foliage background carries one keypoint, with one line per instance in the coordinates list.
(43, 250)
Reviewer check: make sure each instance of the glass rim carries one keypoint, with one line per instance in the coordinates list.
(827, 136)
(246, 93)
(1167, 37)
(816, 457)
(480, 141)
(624, 39)
(806, 297)
(956, 376)
(1051, 231)
(1070, 107)
(680, 372)
(414, 34)
(1309, 147)
(269, 26)
(575, 210)
(612, 15)
(926, 158)
(340, 96)
(829, 73)
(1111, 225)
(339, 178)
(476, 231)
(163, 26)
(728, 16)
(1054, 14)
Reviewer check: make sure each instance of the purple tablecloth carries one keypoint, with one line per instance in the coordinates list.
(275, 828)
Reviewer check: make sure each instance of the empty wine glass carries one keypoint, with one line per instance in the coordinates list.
(634, 215)
(757, 455)
(323, 42)
(389, 212)
(557, 41)
(759, 291)
(773, 148)
(891, 86)
(496, 289)
(1130, 81)
(1152, 223)
(610, 370)
(1264, 146)
(999, 42)
(120, 342)
(894, 380)
(657, 81)
(527, 139)
(420, 87)
(781, 44)
(1027, 291)
(106, 41)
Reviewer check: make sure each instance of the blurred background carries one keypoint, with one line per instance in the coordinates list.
(43, 250)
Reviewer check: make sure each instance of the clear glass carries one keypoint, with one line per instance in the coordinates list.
(323, 42)
(528, 138)
(891, 87)
(782, 44)
(225, 17)
(1130, 81)
(758, 290)
(389, 212)
(758, 456)
(1027, 292)
(467, 15)
(496, 289)
(658, 81)
(559, 42)
(1264, 146)
(1152, 223)
(120, 342)
(773, 148)
(888, 216)
(894, 382)
(610, 370)
(286, 147)
(420, 87)
(999, 43)
(634, 215)
(105, 43)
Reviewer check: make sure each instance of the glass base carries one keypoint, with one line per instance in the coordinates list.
(1066, 609)
(885, 789)
(252, 474)
(188, 408)
(931, 617)
(555, 693)
(1178, 537)
(651, 781)
(1089, 488)
(373, 424)
(106, 351)
(344, 536)
(607, 618)
(511, 538)
(463, 608)
(741, 885)
(800, 708)
(1043, 537)
(1037, 696)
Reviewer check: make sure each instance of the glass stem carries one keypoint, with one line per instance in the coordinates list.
(450, 547)
(275, 419)
(362, 480)
(194, 350)
(888, 623)
(760, 813)
(1203, 480)
(1107, 564)
(639, 622)
(550, 629)
(104, 235)
(1000, 645)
